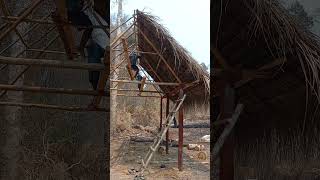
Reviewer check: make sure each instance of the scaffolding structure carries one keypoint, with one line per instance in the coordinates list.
(122, 48)
(63, 31)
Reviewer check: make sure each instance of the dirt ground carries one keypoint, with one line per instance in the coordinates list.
(126, 156)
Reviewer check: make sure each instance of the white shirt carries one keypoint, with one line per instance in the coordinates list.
(98, 35)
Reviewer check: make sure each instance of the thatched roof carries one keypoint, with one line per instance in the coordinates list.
(252, 33)
(179, 60)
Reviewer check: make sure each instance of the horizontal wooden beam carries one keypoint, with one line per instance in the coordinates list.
(134, 90)
(47, 106)
(47, 51)
(51, 90)
(125, 95)
(51, 63)
(147, 82)
(41, 21)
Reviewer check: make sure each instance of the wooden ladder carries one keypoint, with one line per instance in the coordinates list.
(162, 133)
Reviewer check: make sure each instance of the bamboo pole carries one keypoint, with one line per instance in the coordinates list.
(51, 90)
(24, 14)
(167, 133)
(6, 14)
(124, 95)
(120, 36)
(218, 145)
(160, 125)
(133, 90)
(40, 21)
(126, 37)
(126, 56)
(155, 83)
(104, 75)
(52, 63)
(26, 33)
(47, 106)
(47, 51)
(48, 22)
(180, 139)
(29, 66)
(121, 25)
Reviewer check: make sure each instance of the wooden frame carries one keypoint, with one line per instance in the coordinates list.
(11, 26)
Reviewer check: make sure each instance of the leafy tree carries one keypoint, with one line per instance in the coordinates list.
(298, 11)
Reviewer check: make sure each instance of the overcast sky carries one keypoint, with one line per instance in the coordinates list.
(188, 21)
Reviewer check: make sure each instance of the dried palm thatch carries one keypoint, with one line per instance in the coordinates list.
(184, 66)
(283, 33)
(253, 33)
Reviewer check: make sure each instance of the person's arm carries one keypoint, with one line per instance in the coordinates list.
(84, 39)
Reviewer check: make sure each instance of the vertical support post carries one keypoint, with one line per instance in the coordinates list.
(160, 126)
(180, 146)
(227, 105)
(167, 134)
(65, 30)
(126, 54)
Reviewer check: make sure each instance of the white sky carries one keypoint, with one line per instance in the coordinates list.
(188, 21)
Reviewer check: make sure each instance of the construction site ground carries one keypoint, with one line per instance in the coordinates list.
(126, 156)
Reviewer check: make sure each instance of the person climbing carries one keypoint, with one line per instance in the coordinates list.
(138, 71)
(81, 14)
(95, 37)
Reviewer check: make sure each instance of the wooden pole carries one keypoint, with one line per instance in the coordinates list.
(227, 151)
(29, 66)
(160, 126)
(134, 90)
(47, 51)
(34, 27)
(48, 22)
(138, 96)
(104, 75)
(65, 30)
(120, 36)
(160, 55)
(50, 90)
(228, 129)
(46, 106)
(26, 12)
(180, 143)
(147, 82)
(51, 63)
(126, 55)
(167, 133)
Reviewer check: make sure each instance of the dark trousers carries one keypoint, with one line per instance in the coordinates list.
(95, 53)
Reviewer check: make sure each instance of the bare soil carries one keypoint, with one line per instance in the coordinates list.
(127, 155)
